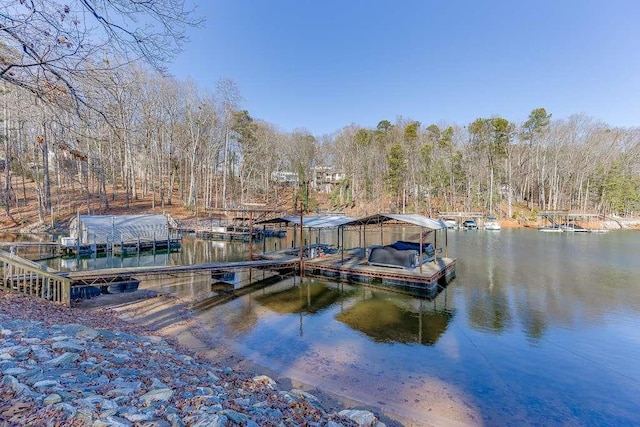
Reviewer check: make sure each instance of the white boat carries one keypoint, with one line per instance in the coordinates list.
(571, 227)
(492, 225)
(551, 229)
(451, 224)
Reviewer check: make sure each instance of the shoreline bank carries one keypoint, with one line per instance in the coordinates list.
(171, 317)
(90, 366)
(434, 403)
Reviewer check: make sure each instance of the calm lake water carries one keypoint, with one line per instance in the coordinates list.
(537, 328)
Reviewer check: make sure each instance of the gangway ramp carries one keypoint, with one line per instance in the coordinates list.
(101, 274)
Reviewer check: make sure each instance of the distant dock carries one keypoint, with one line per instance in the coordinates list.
(71, 247)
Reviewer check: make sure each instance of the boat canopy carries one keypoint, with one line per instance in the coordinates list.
(415, 219)
(318, 221)
(331, 221)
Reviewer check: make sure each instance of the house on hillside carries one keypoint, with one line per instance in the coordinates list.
(325, 179)
(102, 229)
(285, 177)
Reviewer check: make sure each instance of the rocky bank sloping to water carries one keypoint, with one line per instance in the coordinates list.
(57, 372)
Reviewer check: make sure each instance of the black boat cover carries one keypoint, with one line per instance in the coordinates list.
(388, 256)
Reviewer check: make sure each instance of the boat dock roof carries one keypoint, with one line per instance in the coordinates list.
(332, 221)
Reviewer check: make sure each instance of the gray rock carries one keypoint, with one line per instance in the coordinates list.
(213, 377)
(102, 379)
(121, 382)
(156, 384)
(16, 386)
(52, 399)
(68, 346)
(114, 421)
(161, 394)
(33, 373)
(276, 414)
(175, 420)
(14, 371)
(288, 397)
(21, 352)
(208, 420)
(46, 384)
(242, 401)
(139, 417)
(306, 396)
(267, 381)
(67, 409)
(63, 359)
(120, 358)
(120, 391)
(39, 354)
(9, 349)
(157, 423)
(109, 413)
(204, 391)
(234, 416)
(117, 336)
(362, 418)
(81, 331)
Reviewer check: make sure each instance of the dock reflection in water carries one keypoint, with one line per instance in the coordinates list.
(310, 298)
(387, 318)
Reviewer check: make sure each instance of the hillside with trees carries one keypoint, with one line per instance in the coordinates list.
(79, 134)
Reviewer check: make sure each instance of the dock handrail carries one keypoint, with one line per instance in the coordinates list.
(33, 279)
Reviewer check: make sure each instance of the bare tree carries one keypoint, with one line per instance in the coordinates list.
(230, 100)
(46, 47)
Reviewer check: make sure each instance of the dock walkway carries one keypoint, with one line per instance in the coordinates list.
(33, 279)
(279, 265)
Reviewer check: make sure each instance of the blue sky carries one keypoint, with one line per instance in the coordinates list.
(321, 65)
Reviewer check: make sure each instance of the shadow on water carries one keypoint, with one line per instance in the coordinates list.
(226, 292)
(385, 318)
(310, 298)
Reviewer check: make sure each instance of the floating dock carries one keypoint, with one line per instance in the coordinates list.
(135, 247)
(242, 234)
(71, 247)
(352, 266)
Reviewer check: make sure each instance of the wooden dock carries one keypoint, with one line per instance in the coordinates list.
(138, 246)
(33, 279)
(351, 266)
(123, 248)
(282, 266)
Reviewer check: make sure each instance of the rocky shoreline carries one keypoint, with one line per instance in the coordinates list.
(68, 366)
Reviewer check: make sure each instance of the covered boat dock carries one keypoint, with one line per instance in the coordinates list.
(414, 266)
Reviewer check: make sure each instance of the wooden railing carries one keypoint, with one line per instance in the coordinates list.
(30, 278)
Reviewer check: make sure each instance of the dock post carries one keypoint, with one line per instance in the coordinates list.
(301, 245)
